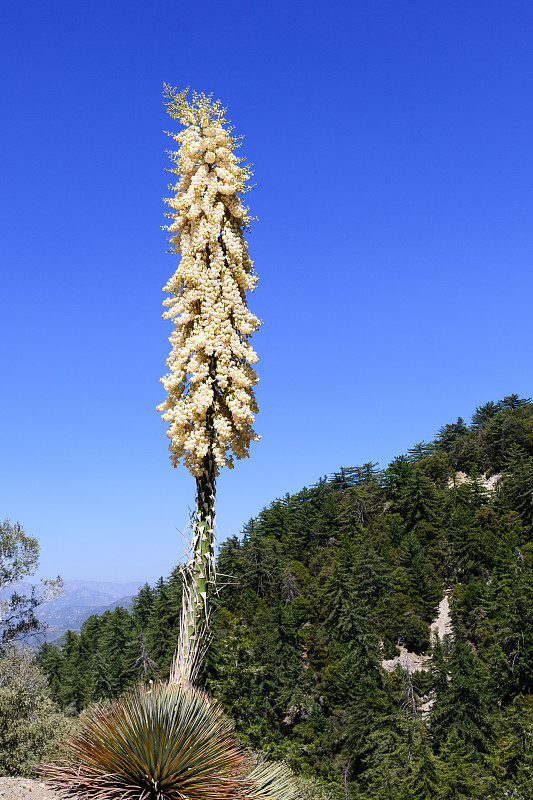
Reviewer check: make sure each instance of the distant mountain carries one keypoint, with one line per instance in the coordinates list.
(79, 600)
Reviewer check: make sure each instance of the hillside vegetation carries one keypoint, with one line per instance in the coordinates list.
(326, 584)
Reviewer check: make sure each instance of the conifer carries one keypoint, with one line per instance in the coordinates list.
(460, 777)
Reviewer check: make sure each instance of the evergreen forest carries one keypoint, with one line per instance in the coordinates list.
(326, 601)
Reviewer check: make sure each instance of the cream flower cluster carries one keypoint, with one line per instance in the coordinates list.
(210, 405)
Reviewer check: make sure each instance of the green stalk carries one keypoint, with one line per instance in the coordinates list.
(199, 573)
(203, 549)
(203, 567)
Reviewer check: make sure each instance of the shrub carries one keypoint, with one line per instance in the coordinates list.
(30, 725)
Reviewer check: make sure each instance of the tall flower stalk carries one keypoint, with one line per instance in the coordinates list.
(210, 404)
(171, 741)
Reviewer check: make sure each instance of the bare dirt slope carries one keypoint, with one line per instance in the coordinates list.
(25, 789)
(441, 626)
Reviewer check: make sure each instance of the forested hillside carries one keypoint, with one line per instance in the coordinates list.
(326, 584)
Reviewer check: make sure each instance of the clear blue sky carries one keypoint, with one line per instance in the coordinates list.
(392, 144)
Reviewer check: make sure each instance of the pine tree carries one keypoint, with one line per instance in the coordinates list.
(464, 704)
(230, 565)
(138, 663)
(259, 560)
(424, 585)
(235, 677)
(418, 500)
(49, 660)
(370, 577)
(399, 762)
(72, 692)
(141, 606)
(448, 435)
(162, 631)
(289, 587)
(89, 643)
(419, 451)
(396, 476)
(362, 688)
(517, 486)
(384, 761)
(512, 605)
(101, 672)
(277, 649)
(438, 666)
(116, 634)
(513, 750)
(422, 779)
(340, 601)
(514, 401)
(459, 776)
(483, 413)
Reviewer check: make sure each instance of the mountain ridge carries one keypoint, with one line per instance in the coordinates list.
(79, 601)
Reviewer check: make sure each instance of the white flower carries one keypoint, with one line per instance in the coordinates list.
(210, 404)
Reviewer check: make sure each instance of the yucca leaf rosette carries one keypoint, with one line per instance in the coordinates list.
(163, 742)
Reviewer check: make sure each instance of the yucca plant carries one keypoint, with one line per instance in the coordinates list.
(270, 781)
(210, 404)
(158, 742)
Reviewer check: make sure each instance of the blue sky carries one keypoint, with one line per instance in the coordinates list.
(391, 143)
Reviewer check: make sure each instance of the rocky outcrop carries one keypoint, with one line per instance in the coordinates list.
(441, 627)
